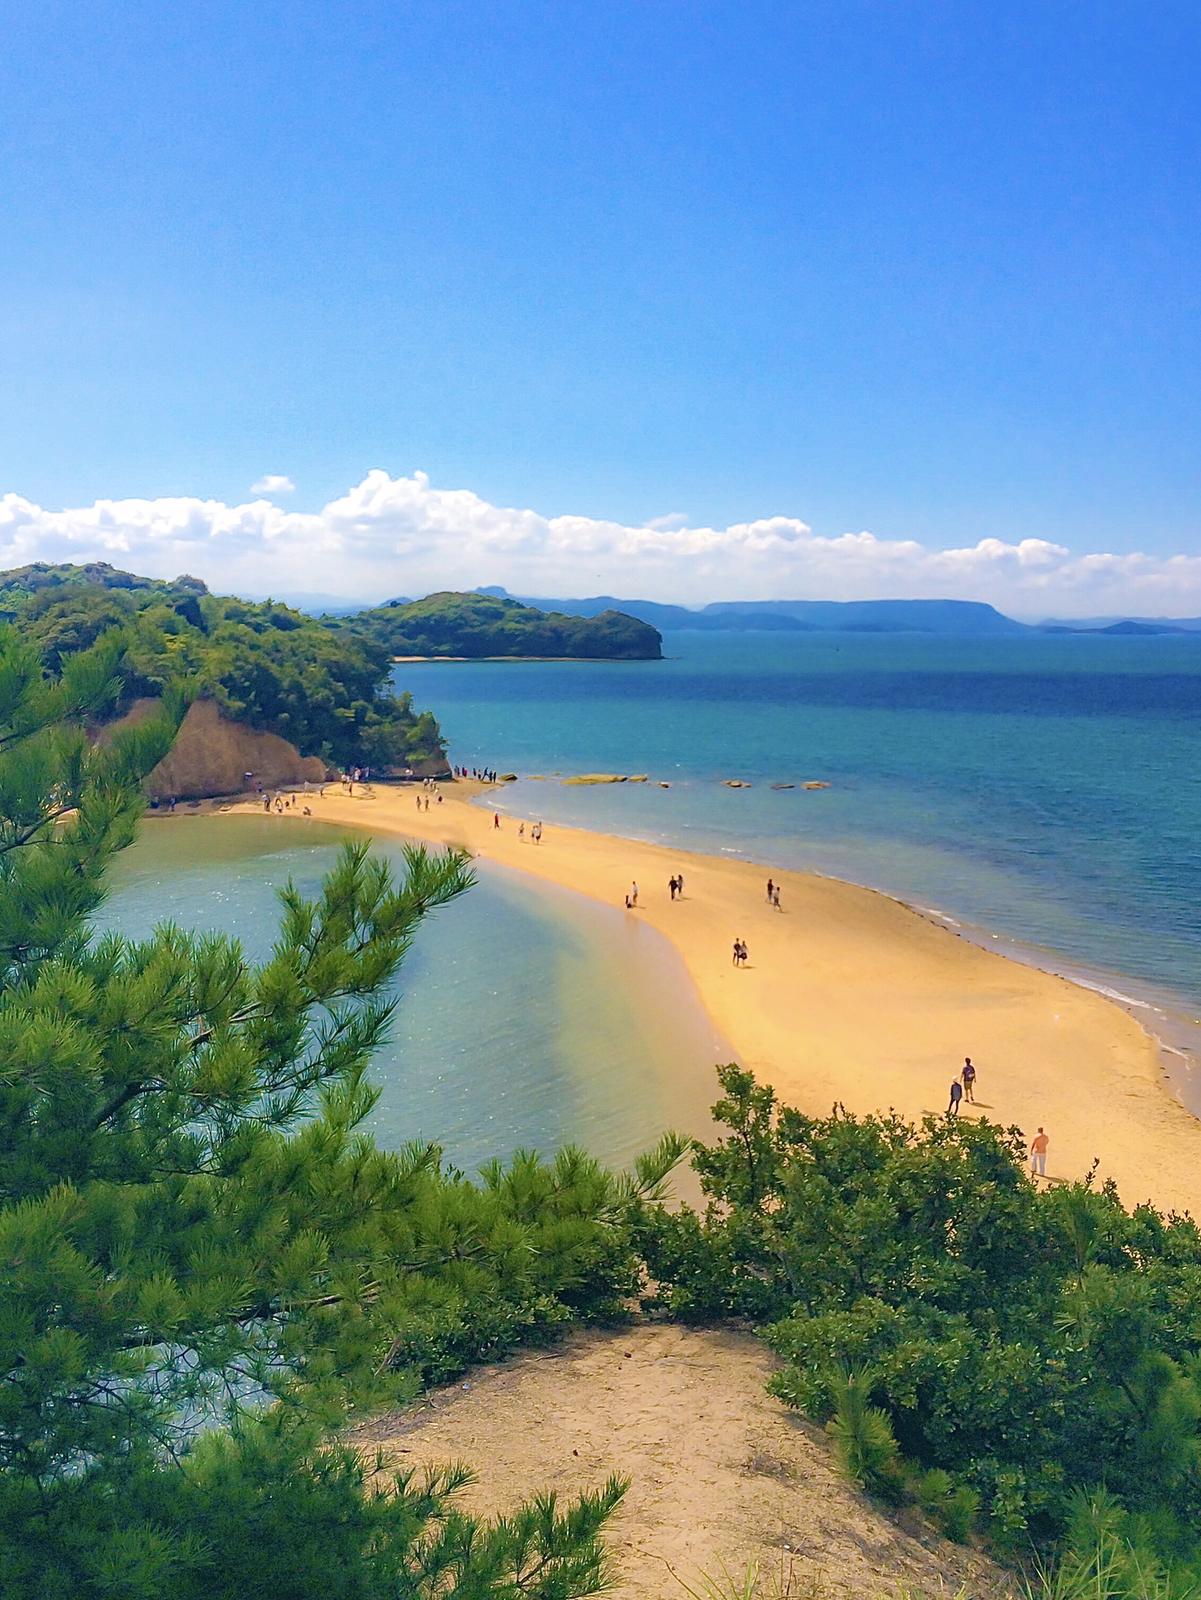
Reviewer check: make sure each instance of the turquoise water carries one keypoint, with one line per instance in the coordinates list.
(1047, 789)
(525, 1019)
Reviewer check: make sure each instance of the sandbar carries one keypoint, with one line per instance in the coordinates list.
(851, 998)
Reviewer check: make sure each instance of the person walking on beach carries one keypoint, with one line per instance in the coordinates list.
(775, 897)
(633, 894)
(770, 891)
(496, 819)
(671, 887)
(1038, 1155)
(969, 1080)
(679, 885)
(521, 830)
(956, 1097)
(737, 952)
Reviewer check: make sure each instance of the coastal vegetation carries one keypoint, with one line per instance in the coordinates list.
(1021, 1363)
(209, 1268)
(326, 691)
(450, 624)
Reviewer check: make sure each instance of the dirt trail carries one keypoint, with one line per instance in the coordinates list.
(721, 1472)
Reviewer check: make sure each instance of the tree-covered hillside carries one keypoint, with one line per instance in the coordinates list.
(451, 624)
(263, 663)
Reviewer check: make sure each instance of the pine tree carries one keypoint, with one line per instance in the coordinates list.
(205, 1265)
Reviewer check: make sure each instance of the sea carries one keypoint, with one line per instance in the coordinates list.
(1041, 794)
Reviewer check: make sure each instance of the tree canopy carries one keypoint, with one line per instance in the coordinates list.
(327, 690)
(453, 624)
(207, 1267)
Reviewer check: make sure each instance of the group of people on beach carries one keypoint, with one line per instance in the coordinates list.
(429, 791)
(740, 952)
(480, 774)
(535, 831)
(773, 894)
(963, 1087)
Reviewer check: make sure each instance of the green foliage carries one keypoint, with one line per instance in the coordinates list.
(205, 1265)
(451, 624)
(862, 1434)
(1029, 1345)
(324, 687)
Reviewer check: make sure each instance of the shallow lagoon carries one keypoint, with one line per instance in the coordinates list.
(527, 1017)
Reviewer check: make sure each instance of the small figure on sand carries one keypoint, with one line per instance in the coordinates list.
(771, 889)
(1038, 1154)
(521, 830)
(633, 894)
(775, 897)
(969, 1081)
(956, 1097)
(673, 887)
(679, 885)
(496, 819)
(740, 952)
(537, 833)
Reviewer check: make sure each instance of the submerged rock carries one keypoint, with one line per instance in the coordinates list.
(815, 785)
(736, 783)
(506, 777)
(783, 785)
(597, 777)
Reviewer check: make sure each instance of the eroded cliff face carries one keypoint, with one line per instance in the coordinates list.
(212, 755)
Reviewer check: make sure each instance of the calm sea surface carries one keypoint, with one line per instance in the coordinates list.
(525, 1019)
(1045, 789)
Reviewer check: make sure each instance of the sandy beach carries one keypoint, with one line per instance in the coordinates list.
(850, 997)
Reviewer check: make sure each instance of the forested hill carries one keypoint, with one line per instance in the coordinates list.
(326, 690)
(451, 624)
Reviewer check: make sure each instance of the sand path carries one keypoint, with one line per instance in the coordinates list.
(851, 997)
(720, 1473)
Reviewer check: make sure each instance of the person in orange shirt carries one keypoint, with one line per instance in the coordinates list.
(1038, 1154)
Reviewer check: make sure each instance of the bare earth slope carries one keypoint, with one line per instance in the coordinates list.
(721, 1473)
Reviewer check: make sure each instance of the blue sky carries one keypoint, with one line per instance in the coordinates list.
(928, 270)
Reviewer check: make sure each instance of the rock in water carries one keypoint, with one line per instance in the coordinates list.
(783, 785)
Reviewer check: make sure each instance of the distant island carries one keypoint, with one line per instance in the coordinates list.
(478, 625)
(951, 618)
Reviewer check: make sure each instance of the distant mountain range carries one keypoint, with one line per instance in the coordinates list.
(957, 618)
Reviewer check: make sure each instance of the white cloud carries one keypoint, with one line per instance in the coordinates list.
(405, 536)
(272, 483)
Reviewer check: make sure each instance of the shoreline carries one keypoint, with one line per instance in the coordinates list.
(854, 997)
